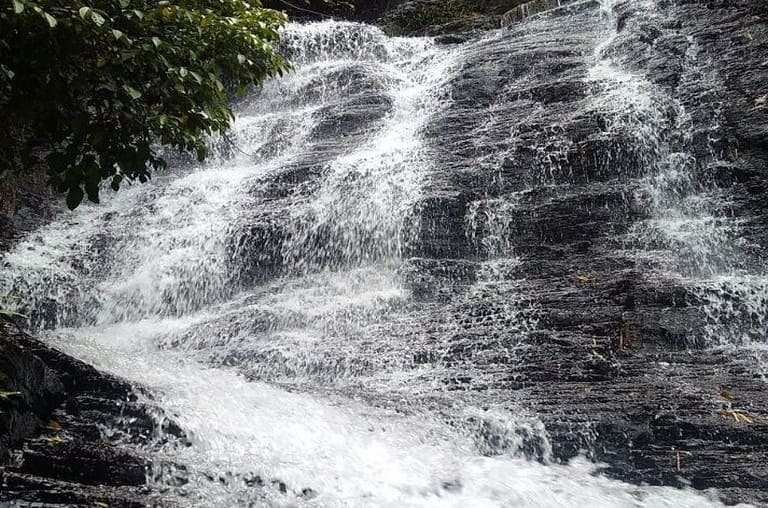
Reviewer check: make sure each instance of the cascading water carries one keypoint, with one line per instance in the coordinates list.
(691, 232)
(266, 301)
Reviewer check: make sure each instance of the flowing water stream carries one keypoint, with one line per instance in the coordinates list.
(266, 300)
(692, 232)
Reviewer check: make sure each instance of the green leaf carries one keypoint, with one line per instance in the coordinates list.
(92, 180)
(97, 18)
(115, 184)
(166, 84)
(50, 19)
(74, 197)
(93, 192)
(7, 395)
(135, 94)
(8, 72)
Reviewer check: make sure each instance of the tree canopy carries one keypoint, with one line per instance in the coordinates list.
(92, 88)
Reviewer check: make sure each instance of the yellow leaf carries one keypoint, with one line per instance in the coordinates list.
(583, 277)
(737, 416)
(54, 439)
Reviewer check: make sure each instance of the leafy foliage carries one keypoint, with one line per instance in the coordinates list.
(94, 87)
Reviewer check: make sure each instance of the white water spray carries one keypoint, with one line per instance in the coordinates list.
(299, 390)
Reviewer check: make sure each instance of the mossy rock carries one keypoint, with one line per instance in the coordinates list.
(437, 17)
(358, 10)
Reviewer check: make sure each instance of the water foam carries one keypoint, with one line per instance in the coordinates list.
(303, 389)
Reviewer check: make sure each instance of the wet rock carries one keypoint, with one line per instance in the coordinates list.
(29, 391)
(26, 204)
(440, 233)
(527, 283)
(55, 410)
(530, 8)
(362, 10)
(441, 17)
(614, 364)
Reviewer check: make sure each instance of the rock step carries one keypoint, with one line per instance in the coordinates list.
(31, 490)
(53, 448)
(534, 7)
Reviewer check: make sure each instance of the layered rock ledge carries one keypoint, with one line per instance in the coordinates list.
(62, 427)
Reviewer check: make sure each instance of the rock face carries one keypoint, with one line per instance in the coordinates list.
(532, 149)
(53, 408)
(31, 390)
(587, 246)
(440, 17)
(522, 11)
(54, 411)
(25, 204)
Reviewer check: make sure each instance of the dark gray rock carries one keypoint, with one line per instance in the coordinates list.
(53, 449)
(441, 17)
(612, 365)
(25, 207)
(546, 301)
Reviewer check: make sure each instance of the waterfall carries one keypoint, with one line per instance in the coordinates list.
(300, 308)
(690, 231)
